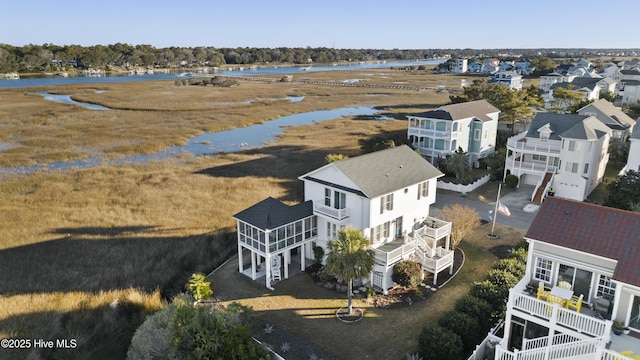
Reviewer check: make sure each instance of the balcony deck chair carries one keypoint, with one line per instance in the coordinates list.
(575, 303)
(543, 291)
(564, 285)
(275, 268)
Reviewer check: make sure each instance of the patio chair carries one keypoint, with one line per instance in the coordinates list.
(575, 303)
(564, 285)
(543, 291)
(275, 268)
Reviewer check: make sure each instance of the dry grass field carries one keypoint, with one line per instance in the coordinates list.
(87, 253)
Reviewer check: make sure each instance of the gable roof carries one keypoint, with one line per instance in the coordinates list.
(572, 126)
(579, 83)
(612, 111)
(594, 229)
(479, 109)
(271, 213)
(382, 172)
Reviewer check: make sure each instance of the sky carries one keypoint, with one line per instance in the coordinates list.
(345, 24)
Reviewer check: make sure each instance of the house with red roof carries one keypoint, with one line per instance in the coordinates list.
(386, 194)
(584, 269)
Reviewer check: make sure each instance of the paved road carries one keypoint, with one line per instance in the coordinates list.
(515, 201)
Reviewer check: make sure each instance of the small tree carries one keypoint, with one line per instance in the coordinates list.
(199, 286)
(350, 258)
(624, 193)
(458, 164)
(511, 181)
(407, 273)
(463, 221)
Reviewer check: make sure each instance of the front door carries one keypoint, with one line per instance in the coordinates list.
(398, 223)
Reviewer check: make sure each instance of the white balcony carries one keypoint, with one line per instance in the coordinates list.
(434, 228)
(571, 320)
(319, 208)
(532, 167)
(432, 133)
(519, 143)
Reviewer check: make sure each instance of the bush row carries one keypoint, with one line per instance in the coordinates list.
(459, 331)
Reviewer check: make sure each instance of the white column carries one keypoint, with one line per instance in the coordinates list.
(267, 266)
(240, 259)
(253, 265)
(303, 257)
(286, 261)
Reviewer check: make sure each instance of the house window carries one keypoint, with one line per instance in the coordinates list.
(332, 231)
(572, 145)
(339, 199)
(586, 168)
(455, 127)
(386, 203)
(606, 287)
(486, 133)
(380, 232)
(476, 134)
(571, 167)
(542, 270)
(537, 157)
(423, 190)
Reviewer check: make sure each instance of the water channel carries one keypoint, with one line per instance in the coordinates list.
(205, 144)
(211, 143)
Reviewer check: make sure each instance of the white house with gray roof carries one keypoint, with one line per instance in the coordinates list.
(471, 126)
(386, 194)
(567, 153)
(621, 124)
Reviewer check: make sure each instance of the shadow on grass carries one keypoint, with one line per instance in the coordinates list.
(103, 258)
(102, 332)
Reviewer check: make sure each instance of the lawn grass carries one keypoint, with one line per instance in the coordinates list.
(298, 305)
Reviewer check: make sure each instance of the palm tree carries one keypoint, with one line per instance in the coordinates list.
(350, 258)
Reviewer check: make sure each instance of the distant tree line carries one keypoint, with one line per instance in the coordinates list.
(50, 57)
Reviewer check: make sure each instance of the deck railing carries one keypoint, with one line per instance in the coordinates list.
(395, 255)
(338, 214)
(434, 228)
(568, 318)
(516, 143)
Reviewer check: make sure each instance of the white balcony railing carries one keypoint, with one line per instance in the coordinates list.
(568, 318)
(436, 134)
(520, 144)
(320, 208)
(389, 256)
(434, 228)
(515, 165)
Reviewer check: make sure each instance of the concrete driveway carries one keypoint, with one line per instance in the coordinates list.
(484, 200)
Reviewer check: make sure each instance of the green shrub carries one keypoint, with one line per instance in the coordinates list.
(512, 265)
(318, 253)
(477, 308)
(519, 254)
(511, 181)
(407, 273)
(199, 287)
(437, 343)
(465, 325)
(489, 292)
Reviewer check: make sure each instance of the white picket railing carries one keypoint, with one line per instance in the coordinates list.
(569, 318)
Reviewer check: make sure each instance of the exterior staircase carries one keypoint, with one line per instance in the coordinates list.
(539, 196)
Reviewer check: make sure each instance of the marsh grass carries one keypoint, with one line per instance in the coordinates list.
(149, 116)
(75, 241)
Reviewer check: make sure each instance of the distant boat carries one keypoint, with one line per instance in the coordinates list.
(305, 68)
(182, 74)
